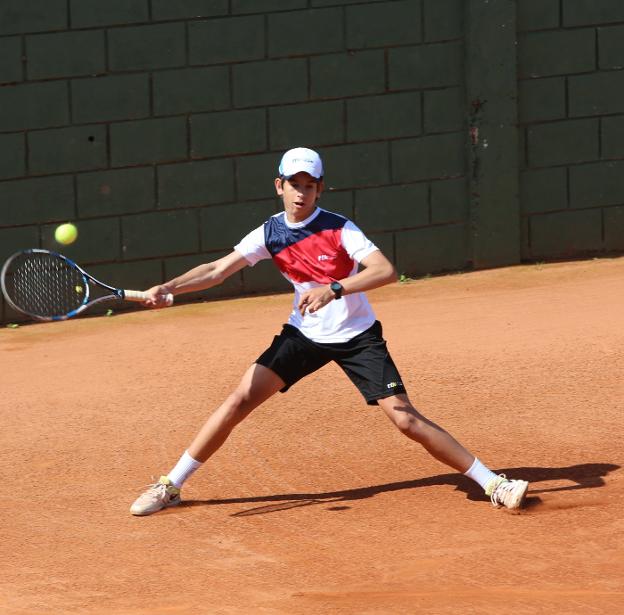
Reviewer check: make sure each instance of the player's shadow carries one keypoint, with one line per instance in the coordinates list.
(581, 476)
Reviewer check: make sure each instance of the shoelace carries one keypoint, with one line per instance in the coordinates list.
(498, 495)
(155, 491)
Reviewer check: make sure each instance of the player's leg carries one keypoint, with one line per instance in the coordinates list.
(438, 442)
(441, 445)
(256, 386)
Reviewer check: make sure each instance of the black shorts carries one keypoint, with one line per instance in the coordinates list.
(365, 359)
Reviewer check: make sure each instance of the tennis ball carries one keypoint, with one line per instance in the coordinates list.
(66, 233)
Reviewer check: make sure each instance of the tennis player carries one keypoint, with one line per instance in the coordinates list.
(330, 263)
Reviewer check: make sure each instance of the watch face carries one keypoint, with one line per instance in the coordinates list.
(337, 288)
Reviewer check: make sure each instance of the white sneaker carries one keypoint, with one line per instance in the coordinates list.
(157, 496)
(507, 493)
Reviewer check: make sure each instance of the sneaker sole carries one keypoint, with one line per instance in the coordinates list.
(519, 499)
(145, 513)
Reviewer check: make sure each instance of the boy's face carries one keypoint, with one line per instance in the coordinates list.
(299, 194)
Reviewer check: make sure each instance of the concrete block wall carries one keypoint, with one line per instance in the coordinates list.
(571, 117)
(456, 133)
(157, 127)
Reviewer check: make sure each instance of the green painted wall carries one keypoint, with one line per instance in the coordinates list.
(456, 133)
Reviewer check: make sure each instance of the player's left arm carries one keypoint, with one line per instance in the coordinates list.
(377, 271)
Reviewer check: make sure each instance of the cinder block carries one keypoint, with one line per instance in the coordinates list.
(34, 105)
(90, 13)
(297, 33)
(12, 155)
(138, 275)
(613, 228)
(145, 141)
(223, 226)
(65, 54)
(613, 137)
(228, 132)
(266, 83)
(309, 123)
(587, 12)
(338, 201)
(542, 99)
(537, 15)
(557, 52)
(347, 74)
(566, 233)
(78, 148)
(383, 24)
(385, 243)
(611, 47)
(596, 185)
(211, 42)
(178, 265)
(392, 207)
(191, 90)
(187, 9)
(255, 176)
(37, 200)
(146, 47)
(449, 201)
(195, 183)
(105, 99)
(98, 240)
(444, 110)
(425, 66)
(160, 234)
(121, 191)
(19, 17)
(356, 166)
(265, 6)
(443, 19)
(433, 157)
(384, 117)
(563, 142)
(596, 94)
(544, 190)
(433, 249)
(10, 59)
(18, 238)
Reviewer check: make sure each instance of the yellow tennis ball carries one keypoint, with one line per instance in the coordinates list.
(66, 233)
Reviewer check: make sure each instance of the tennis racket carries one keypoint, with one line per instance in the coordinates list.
(48, 286)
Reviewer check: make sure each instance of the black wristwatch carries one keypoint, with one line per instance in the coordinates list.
(337, 289)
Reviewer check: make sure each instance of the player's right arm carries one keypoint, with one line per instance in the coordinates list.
(199, 278)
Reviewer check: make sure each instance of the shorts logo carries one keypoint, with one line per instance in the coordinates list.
(392, 385)
(325, 257)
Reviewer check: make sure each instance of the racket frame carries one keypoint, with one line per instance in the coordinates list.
(115, 294)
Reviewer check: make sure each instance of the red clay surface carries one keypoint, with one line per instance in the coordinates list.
(317, 504)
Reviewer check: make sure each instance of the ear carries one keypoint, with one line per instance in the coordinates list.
(321, 187)
(279, 187)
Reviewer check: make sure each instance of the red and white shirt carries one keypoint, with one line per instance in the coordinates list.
(321, 249)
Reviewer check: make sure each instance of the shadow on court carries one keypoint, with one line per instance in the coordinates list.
(582, 476)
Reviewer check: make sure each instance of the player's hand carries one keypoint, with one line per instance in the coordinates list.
(157, 297)
(316, 298)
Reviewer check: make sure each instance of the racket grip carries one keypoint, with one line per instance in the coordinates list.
(139, 295)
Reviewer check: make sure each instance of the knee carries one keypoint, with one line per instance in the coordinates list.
(406, 422)
(238, 407)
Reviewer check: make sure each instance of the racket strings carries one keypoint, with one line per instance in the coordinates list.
(45, 285)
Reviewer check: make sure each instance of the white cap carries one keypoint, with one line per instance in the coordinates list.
(301, 159)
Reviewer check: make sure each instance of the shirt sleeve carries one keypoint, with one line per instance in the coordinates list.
(252, 246)
(357, 245)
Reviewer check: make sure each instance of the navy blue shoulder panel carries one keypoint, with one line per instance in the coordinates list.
(278, 236)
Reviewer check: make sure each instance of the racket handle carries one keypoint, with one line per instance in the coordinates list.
(139, 295)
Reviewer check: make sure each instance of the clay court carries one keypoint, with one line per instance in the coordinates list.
(317, 504)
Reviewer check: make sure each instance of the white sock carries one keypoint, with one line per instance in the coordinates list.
(183, 469)
(479, 473)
